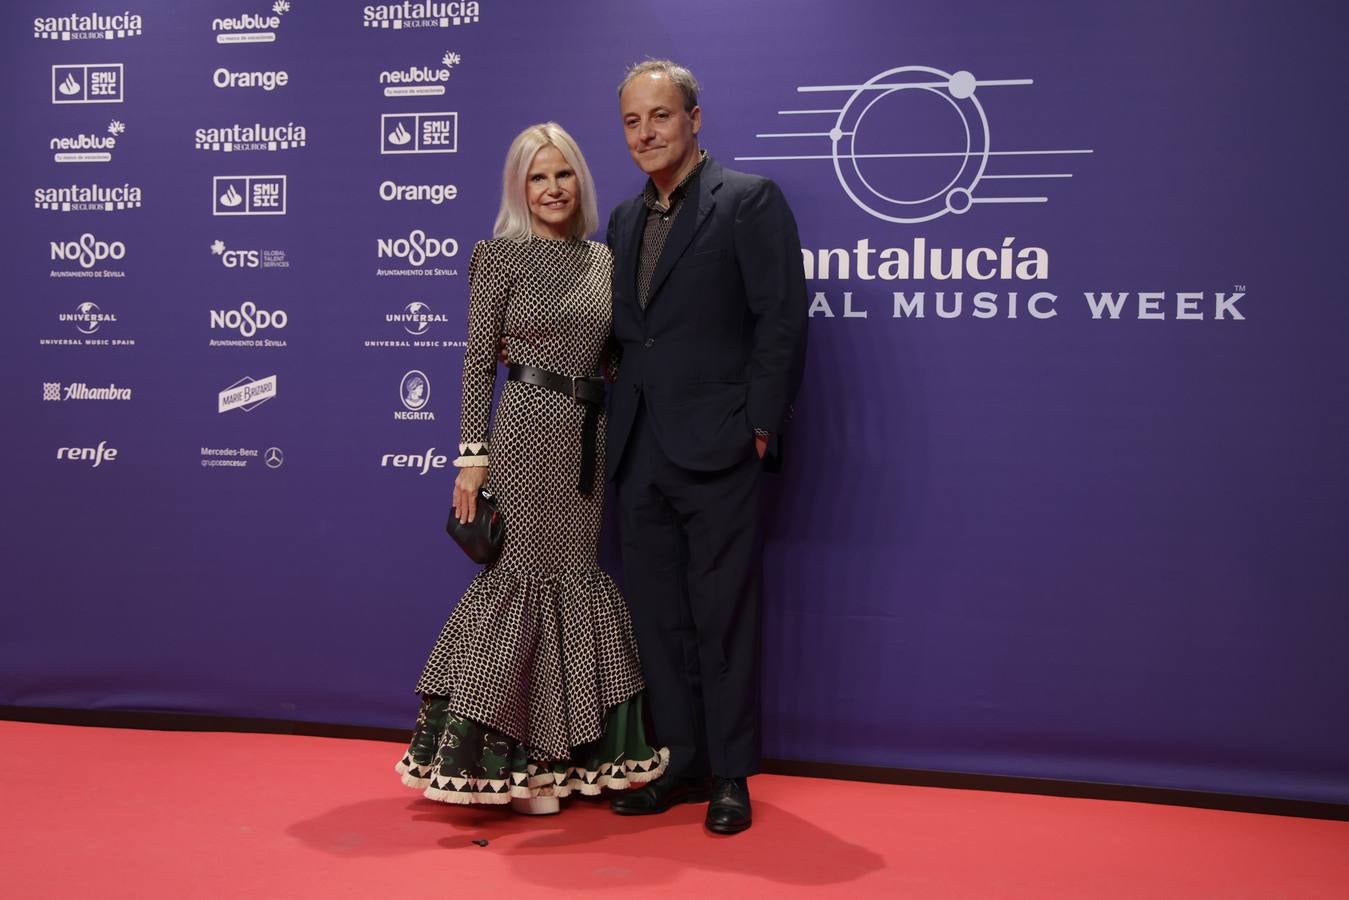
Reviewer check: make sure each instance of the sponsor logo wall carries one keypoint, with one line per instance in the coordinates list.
(1074, 375)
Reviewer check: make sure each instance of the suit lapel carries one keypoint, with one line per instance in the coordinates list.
(686, 225)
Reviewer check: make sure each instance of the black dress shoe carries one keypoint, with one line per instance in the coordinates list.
(660, 795)
(729, 812)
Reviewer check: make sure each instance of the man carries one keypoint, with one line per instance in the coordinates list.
(710, 318)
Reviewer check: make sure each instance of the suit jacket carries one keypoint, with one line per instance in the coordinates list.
(718, 351)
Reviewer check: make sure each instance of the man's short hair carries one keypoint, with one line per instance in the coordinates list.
(679, 75)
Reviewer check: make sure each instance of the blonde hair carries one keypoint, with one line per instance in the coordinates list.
(513, 218)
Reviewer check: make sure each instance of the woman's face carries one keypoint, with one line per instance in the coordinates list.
(550, 189)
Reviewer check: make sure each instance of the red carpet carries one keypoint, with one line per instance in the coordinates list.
(99, 813)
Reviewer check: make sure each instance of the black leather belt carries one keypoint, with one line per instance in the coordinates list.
(589, 392)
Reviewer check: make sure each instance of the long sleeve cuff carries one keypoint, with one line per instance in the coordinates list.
(472, 455)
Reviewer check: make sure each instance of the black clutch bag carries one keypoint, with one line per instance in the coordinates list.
(482, 536)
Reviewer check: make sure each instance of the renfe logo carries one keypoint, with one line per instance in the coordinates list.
(433, 132)
(87, 83)
(95, 455)
(423, 461)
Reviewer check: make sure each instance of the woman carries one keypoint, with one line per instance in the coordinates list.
(533, 689)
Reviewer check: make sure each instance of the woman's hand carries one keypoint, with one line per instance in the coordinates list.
(466, 486)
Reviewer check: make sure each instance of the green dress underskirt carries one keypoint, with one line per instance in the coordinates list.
(457, 760)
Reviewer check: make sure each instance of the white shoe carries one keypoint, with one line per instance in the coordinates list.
(535, 806)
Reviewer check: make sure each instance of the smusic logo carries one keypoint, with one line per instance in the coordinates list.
(87, 83)
(243, 138)
(248, 195)
(433, 132)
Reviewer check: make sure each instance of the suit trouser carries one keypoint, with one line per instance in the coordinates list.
(692, 572)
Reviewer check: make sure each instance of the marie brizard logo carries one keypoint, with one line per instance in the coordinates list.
(913, 144)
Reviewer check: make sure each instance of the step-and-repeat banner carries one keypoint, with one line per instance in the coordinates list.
(1066, 485)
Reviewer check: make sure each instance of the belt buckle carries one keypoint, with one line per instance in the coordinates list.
(574, 398)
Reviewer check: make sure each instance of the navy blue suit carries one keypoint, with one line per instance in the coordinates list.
(716, 354)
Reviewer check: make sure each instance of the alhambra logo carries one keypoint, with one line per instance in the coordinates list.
(914, 143)
(88, 148)
(251, 27)
(237, 138)
(420, 81)
(88, 27)
(426, 14)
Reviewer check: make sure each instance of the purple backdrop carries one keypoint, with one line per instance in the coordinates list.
(1020, 533)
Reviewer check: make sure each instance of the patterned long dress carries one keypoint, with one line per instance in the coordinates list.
(533, 687)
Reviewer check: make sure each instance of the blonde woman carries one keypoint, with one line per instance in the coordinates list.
(533, 689)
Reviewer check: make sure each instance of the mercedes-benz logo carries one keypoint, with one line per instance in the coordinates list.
(274, 458)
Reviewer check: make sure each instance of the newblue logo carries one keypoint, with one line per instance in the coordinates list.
(248, 195)
(419, 81)
(426, 14)
(250, 28)
(88, 26)
(88, 148)
(87, 83)
(913, 144)
(433, 132)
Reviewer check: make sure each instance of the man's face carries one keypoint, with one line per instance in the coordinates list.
(662, 137)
